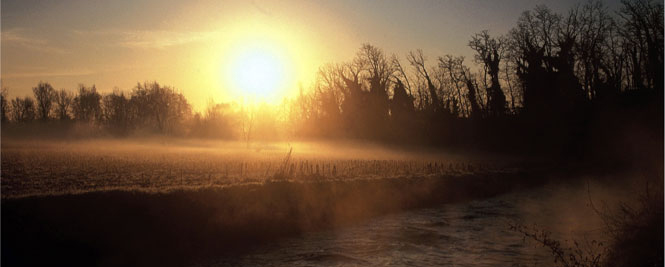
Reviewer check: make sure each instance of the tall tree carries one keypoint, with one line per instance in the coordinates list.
(401, 105)
(378, 71)
(417, 61)
(4, 106)
(87, 104)
(23, 109)
(460, 77)
(44, 94)
(63, 103)
(489, 52)
(116, 112)
(159, 108)
(642, 26)
(541, 49)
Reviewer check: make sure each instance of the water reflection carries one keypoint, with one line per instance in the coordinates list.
(466, 234)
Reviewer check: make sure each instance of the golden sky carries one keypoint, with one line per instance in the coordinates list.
(197, 46)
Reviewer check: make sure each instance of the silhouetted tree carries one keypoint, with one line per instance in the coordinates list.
(530, 40)
(378, 73)
(614, 62)
(568, 92)
(401, 75)
(23, 109)
(354, 97)
(432, 102)
(247, 123)
(4, 106)
(217, 121)
(159, 108)
(29, 109)
(63, 104)
(86, 104)
(489, 52)
(401, 105)
(445, 90)
(300, 119)
(472, 88)
(116, 112)
(542, 57)
(458, 74)
(585, 31)
(642, 28)
(44, 94)
(510, 77)
(328, 95)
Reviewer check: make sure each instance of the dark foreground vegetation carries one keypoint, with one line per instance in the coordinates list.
(131, 228)
(633, 233)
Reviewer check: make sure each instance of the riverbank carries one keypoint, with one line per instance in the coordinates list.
(111, 228)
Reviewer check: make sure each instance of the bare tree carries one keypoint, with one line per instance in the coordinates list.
(116, 112)
(401, 105)
(540, 51)
(4, 105)
(63, 102)
(594, 25)
(489, 52)
(379, 68)
(533, 38)
(352, 91)
(86, 105)
(44, 94)
(328, 97)
(456, 72)
(642, 28)
(615, 59)
(158, 108)
(511, 80)
(23, 109)
(218, 120)
(417, 61)
(400, 74)
(247, 117)
(379, 71)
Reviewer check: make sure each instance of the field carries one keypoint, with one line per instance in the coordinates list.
(56, 168)
(170, 202)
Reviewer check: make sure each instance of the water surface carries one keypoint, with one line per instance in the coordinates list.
(475, 233)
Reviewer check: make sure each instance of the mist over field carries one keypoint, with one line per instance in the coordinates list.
(161, 164)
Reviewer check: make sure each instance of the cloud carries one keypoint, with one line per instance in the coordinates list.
(163, 39)
(30, 74)
(19, 37)
(151, 39)
(261, 9)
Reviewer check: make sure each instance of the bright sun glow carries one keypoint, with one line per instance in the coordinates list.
(259, 62)
(259, 69)
(258, 72)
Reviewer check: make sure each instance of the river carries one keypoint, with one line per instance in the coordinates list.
(474, 233)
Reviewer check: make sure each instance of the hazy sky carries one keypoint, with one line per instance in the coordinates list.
(189, 44)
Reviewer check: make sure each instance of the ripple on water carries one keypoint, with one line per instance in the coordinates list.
(465, 234)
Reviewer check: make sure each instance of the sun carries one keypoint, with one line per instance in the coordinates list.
(257, 61)
(259, 71)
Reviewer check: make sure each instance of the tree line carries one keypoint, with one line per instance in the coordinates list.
(547, 80)
(149, 106)
(549, 75)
